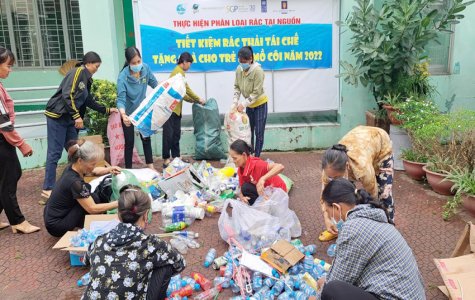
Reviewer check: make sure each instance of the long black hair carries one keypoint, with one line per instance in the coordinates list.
(185, 57)
(336, 158)
(130, 53)
(341, 190)
(241, 147)
(5, 55)
(90, 57)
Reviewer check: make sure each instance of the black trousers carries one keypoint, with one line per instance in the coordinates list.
(129, 137)
(158, 284)
(340, 290)
(74, 219)
(10, 173)
(249, 190)
(171, 137)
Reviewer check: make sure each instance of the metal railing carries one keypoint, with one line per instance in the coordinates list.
(27, 101)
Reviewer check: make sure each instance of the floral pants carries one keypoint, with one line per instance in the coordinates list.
(385, 185)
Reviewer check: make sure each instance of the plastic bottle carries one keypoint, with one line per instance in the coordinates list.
(308, 263)
(210, 256)
(192, 282)
(269, 282)
(278, 287)
(310, 281)
(294, 269)
(187, 234)
(257, 281)
(179, 245)
(180, 212)
(331, 250)
(84, 280)
(308, 290)
(201, 280)
(299, 295)
(189, 242)
(187, 290)
(175, 226)
(289, 285)
(175, 285)
(223, 281)
(228, 273)
(312, 249)
(208, 294)
(318, 271)
(285, 296)
(326, 266)
(234, 287)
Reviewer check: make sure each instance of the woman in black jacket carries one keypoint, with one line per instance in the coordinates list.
(65, 111)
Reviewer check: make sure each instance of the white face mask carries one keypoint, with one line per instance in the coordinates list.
(338, 224)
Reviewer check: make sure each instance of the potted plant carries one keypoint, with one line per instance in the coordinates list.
(464, 188)
(413, 162)
(437, 171)
(105, 93)
(389, 44)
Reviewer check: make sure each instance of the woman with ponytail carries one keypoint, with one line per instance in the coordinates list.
(254, 173)
(372, 260)
(365, 155)
(132, 85)
(140, 264)
(65, 112)
(72, 199)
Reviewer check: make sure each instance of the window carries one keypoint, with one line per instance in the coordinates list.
(439, 52)
(41, 33)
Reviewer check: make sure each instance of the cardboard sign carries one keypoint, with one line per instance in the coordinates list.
(282, 255)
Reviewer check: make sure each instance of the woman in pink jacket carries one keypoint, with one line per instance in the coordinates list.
(10, 168)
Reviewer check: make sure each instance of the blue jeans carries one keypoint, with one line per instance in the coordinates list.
(257, 120)
(59, 132)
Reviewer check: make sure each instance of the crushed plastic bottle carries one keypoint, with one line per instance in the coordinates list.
(257, 281)
(331, 250)
(278, 287)
(179, 245)
(222, 281)
(228, 273)
(84, 280)
(189, 242)
(269, 282)
(208, 294)
(210, 256)
(234, 287)
(175, 285)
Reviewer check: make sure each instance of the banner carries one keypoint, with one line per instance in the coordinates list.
(283, 34)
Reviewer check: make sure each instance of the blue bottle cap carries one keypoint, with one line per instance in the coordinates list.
(206, 264)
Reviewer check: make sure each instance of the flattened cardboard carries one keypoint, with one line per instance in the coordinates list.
(460, 285)
(91, 218)
(282, 255)
(461, 264)
(96, 139)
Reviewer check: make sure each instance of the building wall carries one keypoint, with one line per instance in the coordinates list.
(103, 31)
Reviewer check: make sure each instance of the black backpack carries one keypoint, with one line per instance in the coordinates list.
(104, 189)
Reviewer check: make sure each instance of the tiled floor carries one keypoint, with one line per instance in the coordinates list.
(30, 269)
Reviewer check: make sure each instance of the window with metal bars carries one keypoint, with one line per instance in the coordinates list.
(41, 33)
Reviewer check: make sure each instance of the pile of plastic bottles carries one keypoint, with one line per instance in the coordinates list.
(85, 237)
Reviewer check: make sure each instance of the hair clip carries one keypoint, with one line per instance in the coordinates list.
(356, 191)
(130, 190)
(133, 209)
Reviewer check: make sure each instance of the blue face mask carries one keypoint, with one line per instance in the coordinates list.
(136, 68)
(338, 224)
(245, 66)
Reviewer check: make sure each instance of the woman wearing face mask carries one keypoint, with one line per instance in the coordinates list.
(172, 127)
(65, 111)
(71, 198)
(364, 154)
(131, 91)
(10, 168)
(254, 173)
(127, 263)
(372, 260)
(249, 83)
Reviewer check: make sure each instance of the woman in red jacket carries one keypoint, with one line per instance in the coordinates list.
(10, 168)
(254, 173)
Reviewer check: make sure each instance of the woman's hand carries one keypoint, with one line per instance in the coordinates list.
(320, 283)
(244, 198)
(126, 120)
(115, 170)
(330, 226)
(78, 123)
(202, 101)
(113, 110)
(260, 186)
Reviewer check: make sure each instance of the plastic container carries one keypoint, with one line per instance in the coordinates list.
(186, 211)
(285, 296)
(278, 287)
(222, 281)
(269, 282)
(192, 282)
(326, 266)
(312, 249)
(219, 262)
(175, 285)
(331, 251)
(257, 281)
(208, 294)
(308, 263)
(188, 242)
(185, 291)
(210, 256)
(299, 295)
(308, 290)
(204, 282)
(228, 273)
(84, 280)
(310, 281)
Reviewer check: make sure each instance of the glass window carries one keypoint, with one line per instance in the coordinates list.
(41, 33)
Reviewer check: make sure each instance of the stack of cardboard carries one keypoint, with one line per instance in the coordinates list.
(458, 272)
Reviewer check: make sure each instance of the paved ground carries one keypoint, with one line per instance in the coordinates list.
(30, 269)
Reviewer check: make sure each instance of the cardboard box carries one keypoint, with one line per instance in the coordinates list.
(282, 255)
(76, 254)
(97, 139)
(458, 272)
(186, 180)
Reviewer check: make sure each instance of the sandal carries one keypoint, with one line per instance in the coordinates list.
(326, 236)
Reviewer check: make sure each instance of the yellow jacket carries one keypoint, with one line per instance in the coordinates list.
(190, 96)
